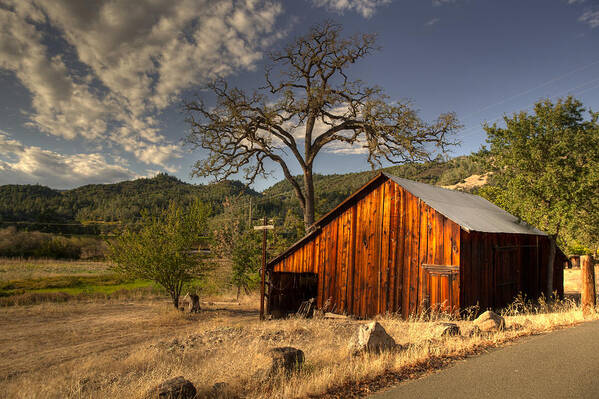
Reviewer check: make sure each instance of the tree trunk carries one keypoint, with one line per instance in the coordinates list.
(175, 301)
(309, 195)
(550, 263)
(588, 295)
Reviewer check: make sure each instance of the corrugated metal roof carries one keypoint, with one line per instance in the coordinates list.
(470, 211)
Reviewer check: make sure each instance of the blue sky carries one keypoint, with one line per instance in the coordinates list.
(90, 92)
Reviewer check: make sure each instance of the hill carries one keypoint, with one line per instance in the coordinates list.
(332, 189)
(98, 208)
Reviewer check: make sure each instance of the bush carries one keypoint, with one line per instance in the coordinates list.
(34, 244)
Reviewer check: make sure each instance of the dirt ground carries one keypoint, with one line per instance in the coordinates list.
(56, 335)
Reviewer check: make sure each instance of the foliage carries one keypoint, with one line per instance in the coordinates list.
(161, 250)
(547, 170)
(25, 244)
(115, 206)
(307, 105)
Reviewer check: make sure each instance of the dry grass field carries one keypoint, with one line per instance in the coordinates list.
(121, 346)
(85, 350)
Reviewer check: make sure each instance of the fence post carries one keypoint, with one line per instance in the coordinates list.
(587, 297)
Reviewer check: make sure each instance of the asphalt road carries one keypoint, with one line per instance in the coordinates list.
(561, 364)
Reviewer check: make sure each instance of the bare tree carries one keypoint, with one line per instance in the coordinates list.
(311, 103)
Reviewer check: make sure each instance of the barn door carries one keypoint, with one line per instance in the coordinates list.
(440, 288)
(506, 275)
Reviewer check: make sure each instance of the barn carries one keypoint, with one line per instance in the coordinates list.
(401, 247)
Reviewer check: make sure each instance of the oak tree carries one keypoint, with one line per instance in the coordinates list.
(546, 167)
(308, 104)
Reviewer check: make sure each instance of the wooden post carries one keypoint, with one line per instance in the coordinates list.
(262, 273)
(587, 297)
(264, 227)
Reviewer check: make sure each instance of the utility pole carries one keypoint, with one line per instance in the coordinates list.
(250, 217)
(264, 227)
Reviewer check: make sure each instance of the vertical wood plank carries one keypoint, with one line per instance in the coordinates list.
(415, 221)
(422, 252)
(406, 255)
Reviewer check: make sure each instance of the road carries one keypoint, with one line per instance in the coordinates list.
(561, 364)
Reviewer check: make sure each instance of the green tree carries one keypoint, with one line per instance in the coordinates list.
(161, 250)
(546, 170)
(246, 257)
(309, 104)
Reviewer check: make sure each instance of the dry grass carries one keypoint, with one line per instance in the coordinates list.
(122, 350)
(24, 269)
(573, 280)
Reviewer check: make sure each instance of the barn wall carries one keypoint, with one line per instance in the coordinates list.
(369, 256)
(497, 266)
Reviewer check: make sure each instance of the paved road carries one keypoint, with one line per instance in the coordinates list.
(562, 364)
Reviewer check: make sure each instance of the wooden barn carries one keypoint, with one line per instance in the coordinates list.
(400, 246)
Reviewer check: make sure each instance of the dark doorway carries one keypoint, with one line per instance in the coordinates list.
(288, 290)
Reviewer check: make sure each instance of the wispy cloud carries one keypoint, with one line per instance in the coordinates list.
(438, 3)
(590, 17)
(366, 8)
(119, 63)
(432, 21)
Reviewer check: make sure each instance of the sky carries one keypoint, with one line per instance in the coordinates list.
(92, 91)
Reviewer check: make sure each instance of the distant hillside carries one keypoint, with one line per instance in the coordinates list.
(122, 202)
(101, 208)
(332, 189)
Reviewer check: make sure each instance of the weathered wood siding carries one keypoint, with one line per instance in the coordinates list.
(369, 256)
(495, 267)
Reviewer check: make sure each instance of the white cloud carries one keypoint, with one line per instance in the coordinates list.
(432, 21)
(438, 3)
(30, 164)
(590, 17)
(366, 8)
(117, 64)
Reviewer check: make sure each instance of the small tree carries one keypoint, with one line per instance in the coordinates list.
(161, 249)
(309, 104)
(246, 257)
(547, 171)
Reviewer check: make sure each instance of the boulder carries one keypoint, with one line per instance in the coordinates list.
(446, 330)
(175, 388)
(286, 359)
(490, 321)
(190, 303)
(371, 337)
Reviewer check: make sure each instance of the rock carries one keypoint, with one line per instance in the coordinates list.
(175, 388)
(447, 330)
(191, 303)
(490, 321)
(371, 337)
(286, 359)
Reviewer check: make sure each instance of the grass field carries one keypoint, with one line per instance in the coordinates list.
(26, 281)
(90, 350)
(124, 346)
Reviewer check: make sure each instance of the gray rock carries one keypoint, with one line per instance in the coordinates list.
(286, 359)
(447, 330)
(371, 338)
(175, 388)
(490, 322)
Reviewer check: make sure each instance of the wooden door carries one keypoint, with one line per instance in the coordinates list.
(506, 272)
(440, 288)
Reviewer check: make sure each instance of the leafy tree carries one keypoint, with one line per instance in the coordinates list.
(547, 170)
(161, 249)
(246, 257)
(308, 101)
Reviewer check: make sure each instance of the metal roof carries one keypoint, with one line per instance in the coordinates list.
(471, 212)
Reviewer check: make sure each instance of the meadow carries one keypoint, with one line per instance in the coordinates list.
(121, 346)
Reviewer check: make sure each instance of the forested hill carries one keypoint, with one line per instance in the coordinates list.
(100, 208)
(332, 189)
(39, 207)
